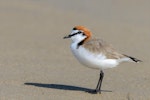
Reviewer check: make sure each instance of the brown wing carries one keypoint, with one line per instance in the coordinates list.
(100, 46)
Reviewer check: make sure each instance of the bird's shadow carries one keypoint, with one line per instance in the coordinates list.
(64, 87)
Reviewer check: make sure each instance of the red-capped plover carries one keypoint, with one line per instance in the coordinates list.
(95, 53)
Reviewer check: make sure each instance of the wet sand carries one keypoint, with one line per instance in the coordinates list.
(37, 64)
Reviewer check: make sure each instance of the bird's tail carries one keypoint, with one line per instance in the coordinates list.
(133, 59)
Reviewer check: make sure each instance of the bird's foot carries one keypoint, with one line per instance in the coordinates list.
(95, 91)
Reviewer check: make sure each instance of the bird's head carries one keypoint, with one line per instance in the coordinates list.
(79, 33)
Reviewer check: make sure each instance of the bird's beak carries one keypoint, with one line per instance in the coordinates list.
(69, 36)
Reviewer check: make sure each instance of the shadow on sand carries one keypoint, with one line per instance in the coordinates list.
(64, 87)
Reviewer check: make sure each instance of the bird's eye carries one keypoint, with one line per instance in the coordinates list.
(74, 28)
(79, 32)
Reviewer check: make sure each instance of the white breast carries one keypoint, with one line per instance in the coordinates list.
(92, 60)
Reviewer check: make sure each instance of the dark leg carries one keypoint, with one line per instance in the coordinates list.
(98, 87)
(101, 78)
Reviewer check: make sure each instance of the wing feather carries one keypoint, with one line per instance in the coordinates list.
(99, 46)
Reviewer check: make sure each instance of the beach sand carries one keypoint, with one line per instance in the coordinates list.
(37, 64)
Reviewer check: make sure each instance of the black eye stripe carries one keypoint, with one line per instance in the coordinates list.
(79, 32)
(74, 34)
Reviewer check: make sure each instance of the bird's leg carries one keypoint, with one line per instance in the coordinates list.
(98, 87)
(101, 78)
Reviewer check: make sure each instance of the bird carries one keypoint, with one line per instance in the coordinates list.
(95, 53)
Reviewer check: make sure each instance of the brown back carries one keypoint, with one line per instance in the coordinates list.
(100, 46)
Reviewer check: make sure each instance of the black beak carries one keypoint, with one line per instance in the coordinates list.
(69, 36)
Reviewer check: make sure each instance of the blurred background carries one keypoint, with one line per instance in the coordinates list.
(32, 48)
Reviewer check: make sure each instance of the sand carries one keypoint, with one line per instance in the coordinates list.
(37, 64)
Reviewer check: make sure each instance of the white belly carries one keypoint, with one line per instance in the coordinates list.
(89, 59)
